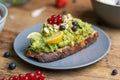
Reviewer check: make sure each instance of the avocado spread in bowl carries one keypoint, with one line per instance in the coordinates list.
(58, 32)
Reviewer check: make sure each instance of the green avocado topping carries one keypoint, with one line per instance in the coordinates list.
(73, 34)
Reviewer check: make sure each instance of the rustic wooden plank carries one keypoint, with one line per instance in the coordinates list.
(23, 19)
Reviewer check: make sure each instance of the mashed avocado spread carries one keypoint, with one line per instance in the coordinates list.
(73, 31)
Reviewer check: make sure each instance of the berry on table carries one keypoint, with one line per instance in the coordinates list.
(12, 66)
(38, 72)
(20, 76)
(28, 76)
(115, 72)
(7, 54)
(3, 78)
(15, 77)
(10, 78)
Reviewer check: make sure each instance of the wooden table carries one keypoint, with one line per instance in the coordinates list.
(20, 18)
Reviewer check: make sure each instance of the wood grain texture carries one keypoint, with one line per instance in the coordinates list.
(81, 9)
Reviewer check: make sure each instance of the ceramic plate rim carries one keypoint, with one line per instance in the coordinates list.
(62, 68)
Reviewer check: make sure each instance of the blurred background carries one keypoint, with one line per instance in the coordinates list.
(9, 3)
(23, 14)
(30, 12)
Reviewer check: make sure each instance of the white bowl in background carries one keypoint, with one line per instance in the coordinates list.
(109, 13)
(4, 12)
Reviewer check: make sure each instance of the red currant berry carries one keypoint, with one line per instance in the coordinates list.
(39, 78)
(49, 20)
(42, 77)
(53, 16)
(31, 76)
(20, 76)
(55, 21)
(35, 77)
(26, 78)
(3, 79)
(59, 16)
(15, 78)
(10, 78)
(38, 72)
(27, 74)
(59, 21)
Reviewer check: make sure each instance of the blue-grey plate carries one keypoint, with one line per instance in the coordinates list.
(87, 56)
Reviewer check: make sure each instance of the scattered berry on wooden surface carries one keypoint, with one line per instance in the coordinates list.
(7, 54)
(38, 75)
(115, 72)
(12, 66)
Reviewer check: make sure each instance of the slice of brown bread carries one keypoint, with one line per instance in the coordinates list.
(63, 52)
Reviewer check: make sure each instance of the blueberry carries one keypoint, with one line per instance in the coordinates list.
(114, 72)
(7, 54)
(75, 23)
(74, 28)
(12, 66)
(62, 27)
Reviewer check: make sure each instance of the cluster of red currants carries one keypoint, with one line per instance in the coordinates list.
(28, 76)
(55, 19)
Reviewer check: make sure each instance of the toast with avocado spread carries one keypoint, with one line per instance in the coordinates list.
(60, 37)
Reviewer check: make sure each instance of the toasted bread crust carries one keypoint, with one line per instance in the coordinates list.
(63, 52)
